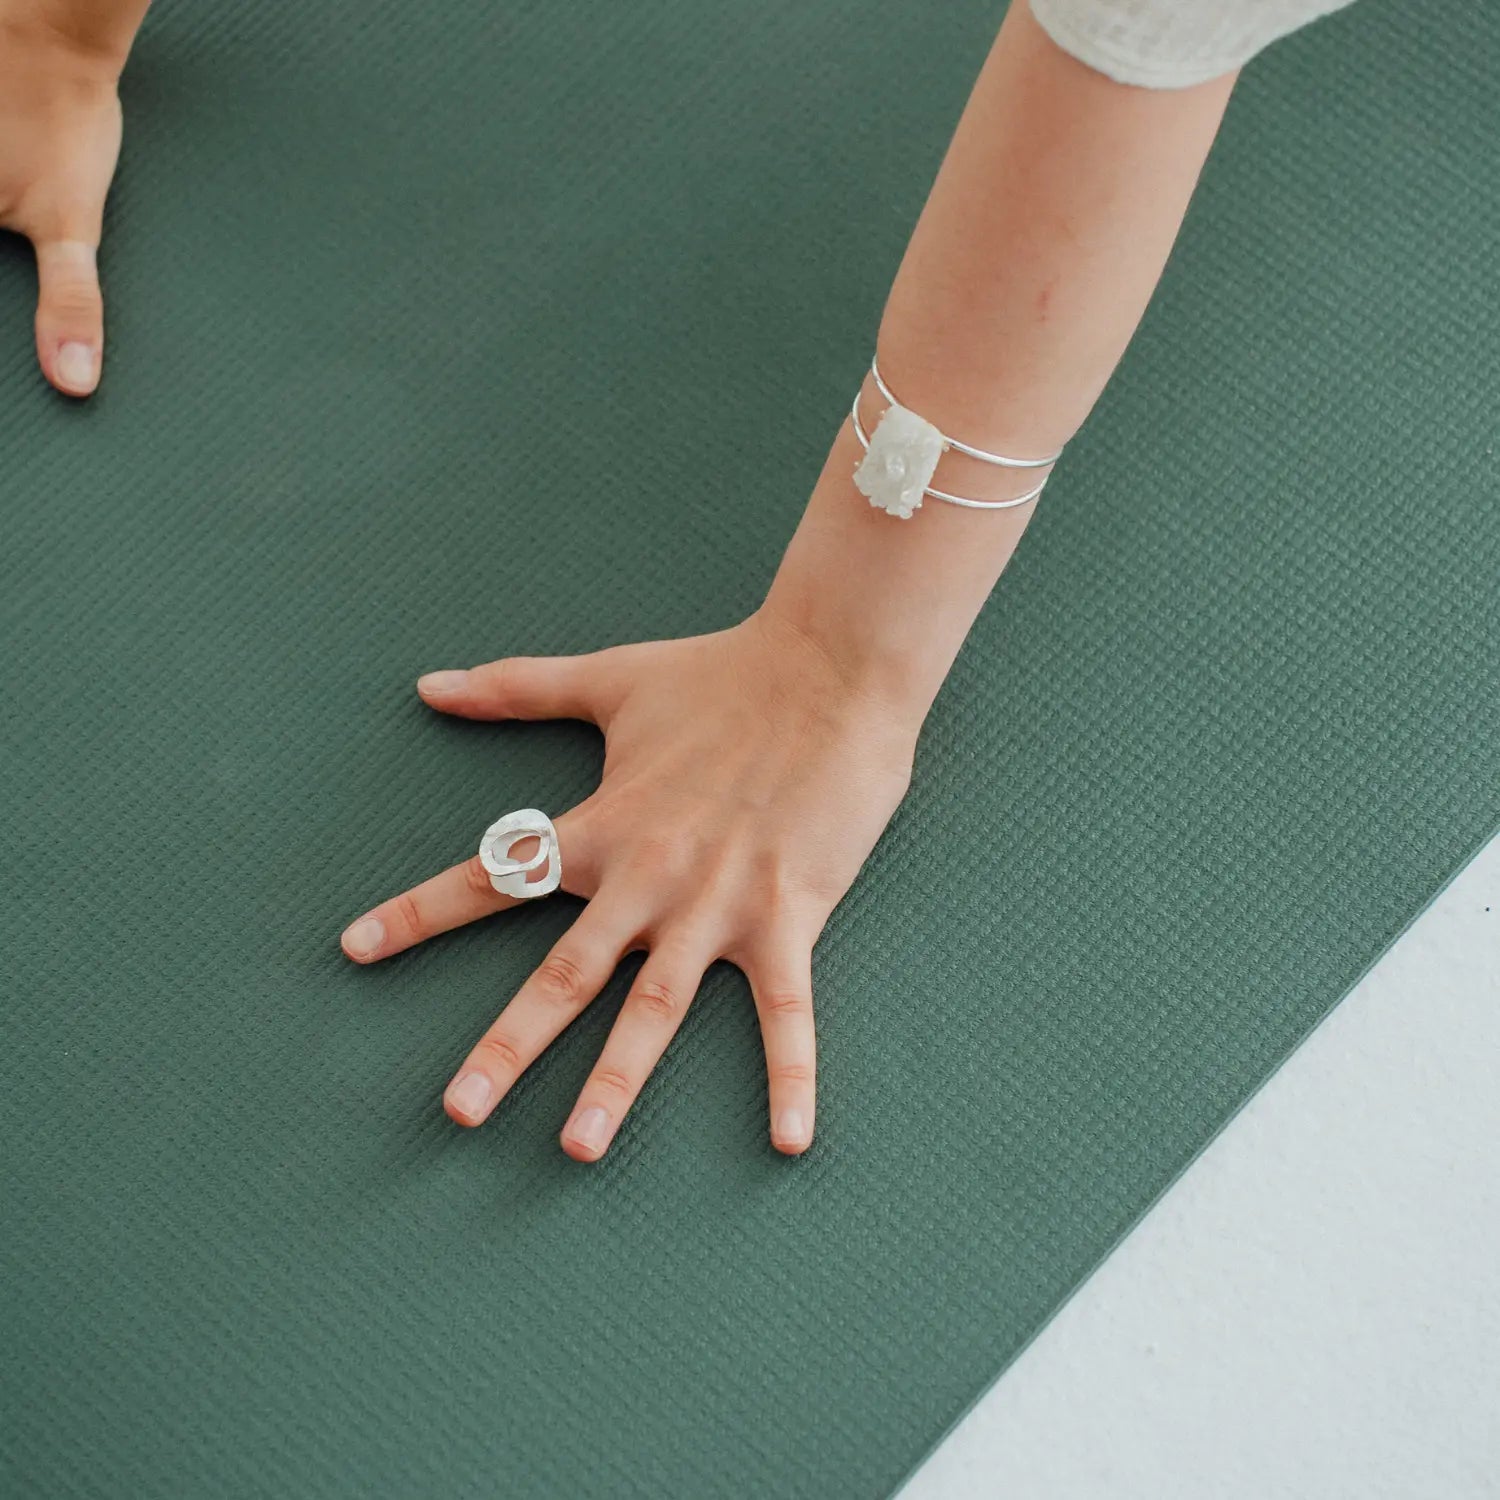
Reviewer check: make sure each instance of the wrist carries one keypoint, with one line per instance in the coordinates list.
(849, 671)
(888, 601)
(901, 676)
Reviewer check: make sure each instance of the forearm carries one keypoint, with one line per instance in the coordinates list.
(1038, 250)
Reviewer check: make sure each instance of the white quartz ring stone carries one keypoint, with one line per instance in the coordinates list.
(508, 875)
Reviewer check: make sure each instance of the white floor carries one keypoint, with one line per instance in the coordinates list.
(1314, 1309)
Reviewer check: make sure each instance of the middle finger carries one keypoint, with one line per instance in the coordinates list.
(648, 1020)
(568, 979)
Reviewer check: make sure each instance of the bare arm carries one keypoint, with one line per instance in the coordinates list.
(748, 773)
(1035, 257)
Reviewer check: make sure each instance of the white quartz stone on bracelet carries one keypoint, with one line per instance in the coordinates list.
(900, 462)
(903, 453)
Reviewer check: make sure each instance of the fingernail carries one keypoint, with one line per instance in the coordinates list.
(443, 682)
(470, 1094)
(590, 1129)
(791, 1128)
(76, 366)
(364, 938)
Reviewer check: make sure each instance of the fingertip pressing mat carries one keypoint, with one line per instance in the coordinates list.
(410, 305)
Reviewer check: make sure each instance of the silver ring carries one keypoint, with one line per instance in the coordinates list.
(508, 875)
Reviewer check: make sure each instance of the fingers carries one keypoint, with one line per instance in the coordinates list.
(781, 980)
(522, 687)
(461, 894)
(569, 978)
(69, 315)
(647, 1022)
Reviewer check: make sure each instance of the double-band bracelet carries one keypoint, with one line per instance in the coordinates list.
(902, 456)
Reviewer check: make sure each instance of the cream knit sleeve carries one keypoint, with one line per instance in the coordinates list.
(1169, 44)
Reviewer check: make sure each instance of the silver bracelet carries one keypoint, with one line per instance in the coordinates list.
(902, 456)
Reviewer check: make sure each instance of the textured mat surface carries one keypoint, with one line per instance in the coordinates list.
(404, 302)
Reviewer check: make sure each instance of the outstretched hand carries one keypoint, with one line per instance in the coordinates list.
(59, 142)
(746, 779)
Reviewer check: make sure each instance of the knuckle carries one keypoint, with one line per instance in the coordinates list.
(722, 869)
(477, 879)
(791, 1073)
(74, 301)
(560, 979)
(496, 678)
(613, 1082)
(786, 1004)
(408, 916)
(682, 946)
(789, 897)
(499, 1051)
(657, 854)
(658, 1000)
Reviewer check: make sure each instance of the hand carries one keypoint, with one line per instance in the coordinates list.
(59, 141)
(746, 779)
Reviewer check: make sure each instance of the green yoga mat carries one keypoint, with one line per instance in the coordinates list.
(425, 321)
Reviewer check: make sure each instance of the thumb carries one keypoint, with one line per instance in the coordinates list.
(526, 687)
(69, 315)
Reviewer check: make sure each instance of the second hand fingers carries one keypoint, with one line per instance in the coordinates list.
(568, 980)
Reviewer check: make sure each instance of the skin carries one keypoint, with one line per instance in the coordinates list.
(60, 64)
(745, 781)
(748, 773)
